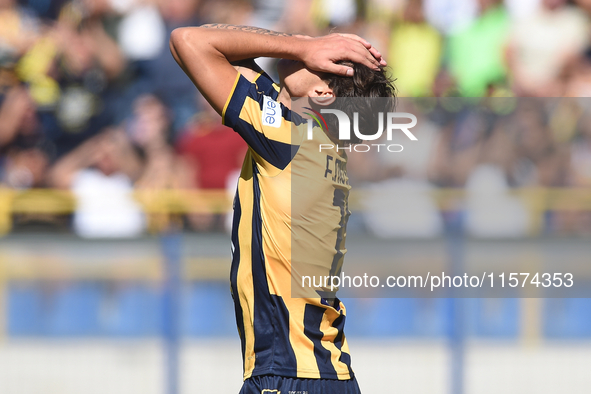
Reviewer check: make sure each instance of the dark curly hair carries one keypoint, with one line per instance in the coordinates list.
(365, 82)
(367, 92)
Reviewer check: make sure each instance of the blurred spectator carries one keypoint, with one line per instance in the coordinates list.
(214, 151)
(214, 154)
(542, 45)
(578, 76)
(580, 177)
(165, 77)
(266, 13)
(150, 130)
(538, 153)
(141, 33)
(399, 200)
(334, 12)
(18, 121)
(18, 30)
(460, 146)
(71, 70)
(450, 16)
(23, 156)
(411, 40)
(100, 173)
(581, 154)
(25, 168)
(296, 18)
(44, 9)
(491, 212)
(476, 52)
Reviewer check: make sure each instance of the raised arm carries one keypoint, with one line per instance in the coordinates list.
(205, 53)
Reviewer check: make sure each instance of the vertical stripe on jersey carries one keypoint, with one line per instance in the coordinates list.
(271, 317)
(302, 345)
(244, 274)
(285, 360)
(340, 200)
(234, 273)
(263, 313)
(345, 358)
(312, 320)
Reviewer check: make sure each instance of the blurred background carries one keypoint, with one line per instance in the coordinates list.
(116, 178)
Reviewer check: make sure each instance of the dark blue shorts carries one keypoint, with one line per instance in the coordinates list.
(278, 385)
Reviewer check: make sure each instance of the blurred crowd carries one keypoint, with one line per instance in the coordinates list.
(92, 101)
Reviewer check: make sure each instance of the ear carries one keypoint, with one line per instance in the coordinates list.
(322, 96)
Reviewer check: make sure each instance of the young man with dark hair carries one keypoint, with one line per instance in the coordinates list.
(289, 344)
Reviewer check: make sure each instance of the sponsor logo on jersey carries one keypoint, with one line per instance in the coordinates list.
(271, 112)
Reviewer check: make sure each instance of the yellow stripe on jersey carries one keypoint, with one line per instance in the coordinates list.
(229, 99)
(246, 291)
(266, 85)
(306, 359)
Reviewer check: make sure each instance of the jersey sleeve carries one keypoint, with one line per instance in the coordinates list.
(264, 123)
(266, 85)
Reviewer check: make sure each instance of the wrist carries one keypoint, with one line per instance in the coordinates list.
(298, 48)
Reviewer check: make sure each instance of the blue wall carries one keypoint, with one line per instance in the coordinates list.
(136, 310)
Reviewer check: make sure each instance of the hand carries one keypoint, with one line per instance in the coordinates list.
(322, 53)
(374, 52)
(16, 109)
(18, 104)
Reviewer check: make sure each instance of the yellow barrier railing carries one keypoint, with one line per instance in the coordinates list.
(177, 202)
(154, 202)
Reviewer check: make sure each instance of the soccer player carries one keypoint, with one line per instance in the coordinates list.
(289, 344)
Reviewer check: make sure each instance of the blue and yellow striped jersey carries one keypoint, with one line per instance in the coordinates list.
(290, 213)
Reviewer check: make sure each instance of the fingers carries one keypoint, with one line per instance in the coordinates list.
(365, 57)
(357, 38)
(374, 52)
(355, 51)
(339, 69)
(378, 56)
(325, 52)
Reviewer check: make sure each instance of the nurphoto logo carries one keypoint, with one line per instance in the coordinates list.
(388, 122)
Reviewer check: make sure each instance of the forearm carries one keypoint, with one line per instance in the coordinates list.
(63, 171)
(237, 43)
(205, 53)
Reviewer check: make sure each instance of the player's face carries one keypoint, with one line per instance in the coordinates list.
(300, 81)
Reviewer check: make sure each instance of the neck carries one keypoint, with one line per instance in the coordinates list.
(297, 105)
(284, 97)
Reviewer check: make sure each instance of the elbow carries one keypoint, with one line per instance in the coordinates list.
(184, 35)
(185, 40)
(178, 35)
(177, 38)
